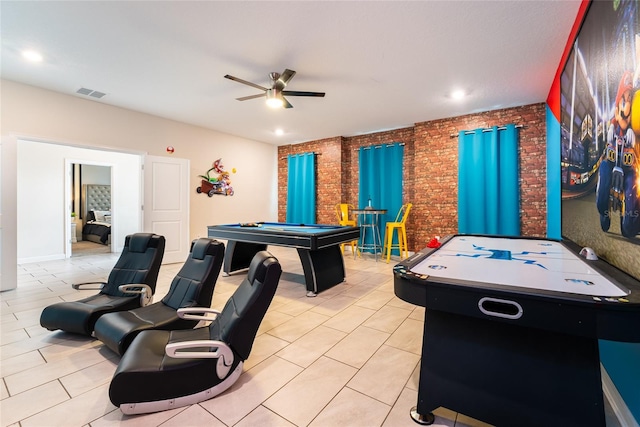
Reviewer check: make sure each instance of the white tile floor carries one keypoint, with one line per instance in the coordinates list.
(315, 362)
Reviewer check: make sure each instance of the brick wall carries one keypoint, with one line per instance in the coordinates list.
(430, 174)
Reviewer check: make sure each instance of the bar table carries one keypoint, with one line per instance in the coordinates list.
(368, 223)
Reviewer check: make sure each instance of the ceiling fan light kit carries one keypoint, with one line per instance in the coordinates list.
(275, 94)
(274, 98)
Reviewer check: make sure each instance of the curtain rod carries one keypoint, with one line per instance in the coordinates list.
(368, 147)
(313, 152)
(469, 132)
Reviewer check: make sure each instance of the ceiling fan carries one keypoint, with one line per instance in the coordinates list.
(275, 93)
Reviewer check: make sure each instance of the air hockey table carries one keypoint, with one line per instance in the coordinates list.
(318, 246)
(512, 326)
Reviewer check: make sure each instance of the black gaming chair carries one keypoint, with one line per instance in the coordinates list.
(167, 369)
(131, 284)
(192, 287)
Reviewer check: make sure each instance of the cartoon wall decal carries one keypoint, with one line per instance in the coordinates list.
(217, 183)
(600, 126)
(600, 135)
(616, 190)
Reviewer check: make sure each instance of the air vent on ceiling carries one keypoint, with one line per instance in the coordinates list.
(90, 92)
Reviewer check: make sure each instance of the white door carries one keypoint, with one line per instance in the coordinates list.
(166, 204)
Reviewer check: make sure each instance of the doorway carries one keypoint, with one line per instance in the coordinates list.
(38, 228)
(43, 200)
(91, 209)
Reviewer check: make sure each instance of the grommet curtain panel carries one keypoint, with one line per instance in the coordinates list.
(488, 182)
(301, 188)
(380, 179)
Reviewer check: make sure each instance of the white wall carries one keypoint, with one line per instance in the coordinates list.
(42, 214)
(37, 114)
(1, 219)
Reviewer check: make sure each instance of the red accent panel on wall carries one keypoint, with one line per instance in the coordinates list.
(553, 100)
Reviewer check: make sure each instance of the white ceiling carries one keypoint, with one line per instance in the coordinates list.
(382, 64)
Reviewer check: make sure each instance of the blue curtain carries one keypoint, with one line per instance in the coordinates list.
(488, 182)
(301, 189)
(380, 180)
(554, 187)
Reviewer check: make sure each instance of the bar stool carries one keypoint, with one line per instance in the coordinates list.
(399, 225)
(342, 214)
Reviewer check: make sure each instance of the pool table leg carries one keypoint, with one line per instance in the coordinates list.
(238, 255)
(323, 268)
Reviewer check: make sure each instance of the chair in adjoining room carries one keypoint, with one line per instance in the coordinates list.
(131, 284)
(399, 226)
(191, 287)
(163, 370)
(342, 215)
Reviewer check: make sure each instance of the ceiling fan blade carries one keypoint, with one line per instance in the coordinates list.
(299, 93)
(244, 82)
(244, 98)
(286, 103)
(286, 76)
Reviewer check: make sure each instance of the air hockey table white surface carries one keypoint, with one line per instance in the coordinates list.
(536, 264)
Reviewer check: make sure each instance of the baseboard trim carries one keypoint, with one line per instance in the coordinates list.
(620, 409)
(30, 260)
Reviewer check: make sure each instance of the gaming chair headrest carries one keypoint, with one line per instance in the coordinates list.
(139, 242)
(203, 247)
(258, 268)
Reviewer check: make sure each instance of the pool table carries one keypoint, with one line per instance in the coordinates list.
(318, 247)
(512, 327)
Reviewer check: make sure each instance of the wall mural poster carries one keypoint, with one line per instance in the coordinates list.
(600, 130)
(216, 180)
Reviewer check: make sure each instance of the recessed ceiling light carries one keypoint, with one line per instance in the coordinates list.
(32, 56)
(458, 94)
(279, 132)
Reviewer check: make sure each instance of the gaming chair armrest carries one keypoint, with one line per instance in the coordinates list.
(189, 313)
(81, 286)
(146, 293)
(221, 351)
